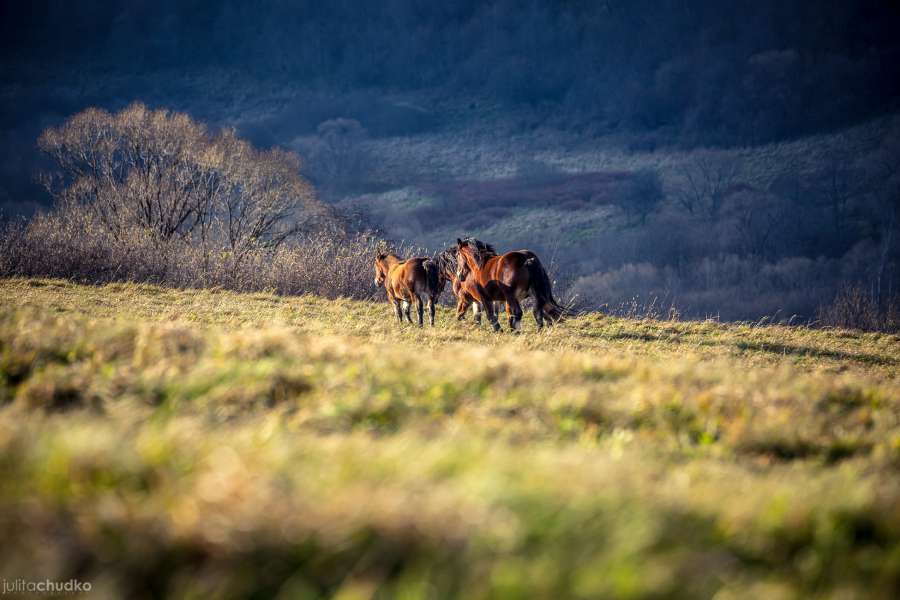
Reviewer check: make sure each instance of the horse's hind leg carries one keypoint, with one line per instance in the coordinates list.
(492, 317)
(398, 311)
(538, 313)
(431, 309)
(514, 310)
(406, 307)
(476, 313)
(420, 309)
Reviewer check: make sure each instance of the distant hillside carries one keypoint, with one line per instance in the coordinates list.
(731, 161)
(783, 227)
(684, 74)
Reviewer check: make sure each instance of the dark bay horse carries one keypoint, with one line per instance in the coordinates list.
(519, 273)
(407, 281)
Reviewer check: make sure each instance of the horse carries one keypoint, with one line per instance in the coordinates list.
(469, 292)
(465, 288)
(406, 281)
(519, 272)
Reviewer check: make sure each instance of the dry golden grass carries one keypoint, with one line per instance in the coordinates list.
(180, 442)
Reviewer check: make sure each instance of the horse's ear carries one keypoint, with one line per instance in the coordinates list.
(381, 256)
(459, 243)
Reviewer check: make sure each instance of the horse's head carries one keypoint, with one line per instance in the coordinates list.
(381, 268)
(466, 257)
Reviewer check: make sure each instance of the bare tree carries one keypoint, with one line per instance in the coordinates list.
(840, 184)
(137, 167)
(887, 201)
(703, 184)
(641, 194)
(166, 174)
(757, 217)
(339, 158)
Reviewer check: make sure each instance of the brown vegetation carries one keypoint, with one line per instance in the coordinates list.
(153, 196)
(855, 308)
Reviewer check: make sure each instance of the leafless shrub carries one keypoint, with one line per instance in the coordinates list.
(11, 235)
(70, 243)
(855, 308)
(647, 309)
(152, 196)
(636, 291)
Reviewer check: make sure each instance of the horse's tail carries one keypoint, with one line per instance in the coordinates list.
(432, 277)
(542, 290)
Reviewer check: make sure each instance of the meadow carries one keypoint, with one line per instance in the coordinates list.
(205, 443)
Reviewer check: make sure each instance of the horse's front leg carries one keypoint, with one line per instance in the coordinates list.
(476, 312)
(462, 305)
(431, 309)
(394, 301)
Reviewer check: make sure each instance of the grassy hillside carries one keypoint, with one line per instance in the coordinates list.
(158, 442)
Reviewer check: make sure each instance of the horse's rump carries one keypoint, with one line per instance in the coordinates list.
(521, 271)
(433, 280)
(407, 281)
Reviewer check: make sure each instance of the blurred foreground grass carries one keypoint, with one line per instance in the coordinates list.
(204, 443)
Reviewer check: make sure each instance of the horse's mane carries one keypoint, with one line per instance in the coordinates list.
(481, 250)
(482, 247)
(446, 260)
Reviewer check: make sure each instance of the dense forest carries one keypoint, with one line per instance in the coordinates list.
(741, 72)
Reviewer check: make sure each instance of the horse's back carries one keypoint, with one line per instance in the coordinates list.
(411, 275)
(511, 270)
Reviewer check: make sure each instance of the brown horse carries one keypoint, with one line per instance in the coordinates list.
(406, 281)
(469, 292)
(519, 273)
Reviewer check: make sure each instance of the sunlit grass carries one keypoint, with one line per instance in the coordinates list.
(210, 443)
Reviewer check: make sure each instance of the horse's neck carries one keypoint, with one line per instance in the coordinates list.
(472, 263)
(392, 261)
(482, 270)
